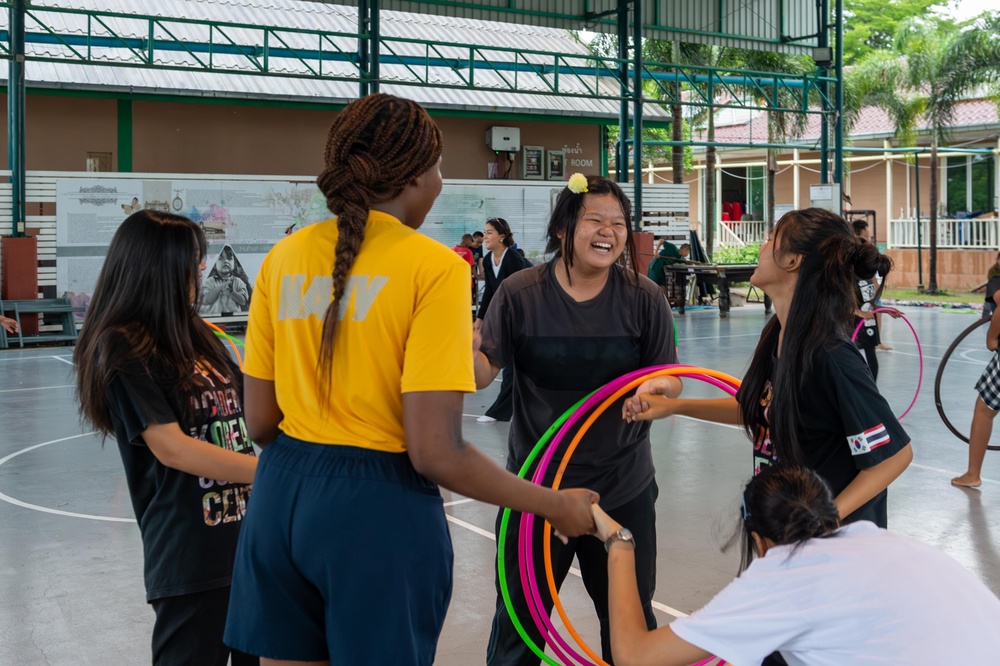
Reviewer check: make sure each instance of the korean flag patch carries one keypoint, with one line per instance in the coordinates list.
(868, 441)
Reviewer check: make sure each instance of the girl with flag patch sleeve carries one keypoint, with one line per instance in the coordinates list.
(808, 397)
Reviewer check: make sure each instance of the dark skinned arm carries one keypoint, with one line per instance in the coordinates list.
(433, 424)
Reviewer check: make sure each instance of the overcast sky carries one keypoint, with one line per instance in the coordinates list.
(966, 9)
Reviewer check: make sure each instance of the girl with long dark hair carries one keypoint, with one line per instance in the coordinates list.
(358, 359)
(151, 373)
(808, 397)
(818, 593)
(569, 326)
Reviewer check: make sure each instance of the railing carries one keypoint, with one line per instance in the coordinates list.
(118, 39)
(746, 232)
(951, 233)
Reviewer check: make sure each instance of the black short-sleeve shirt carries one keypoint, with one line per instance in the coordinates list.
(189, 525)
(845, 425)
(562, 350)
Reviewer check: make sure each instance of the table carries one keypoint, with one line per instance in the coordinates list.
(721, 274)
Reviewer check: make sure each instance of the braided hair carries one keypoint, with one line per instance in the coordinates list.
(377, 146)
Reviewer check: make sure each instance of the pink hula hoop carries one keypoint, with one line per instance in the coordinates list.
(920, 353)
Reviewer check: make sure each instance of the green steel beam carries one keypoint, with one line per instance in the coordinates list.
(125, 134)
(272, 53)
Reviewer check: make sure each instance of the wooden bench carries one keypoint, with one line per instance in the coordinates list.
(54, 307)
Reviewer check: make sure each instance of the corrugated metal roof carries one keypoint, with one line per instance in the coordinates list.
(748, 24)
(299, 85)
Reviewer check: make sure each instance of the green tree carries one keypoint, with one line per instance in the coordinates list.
(929, 70)
(871, 25)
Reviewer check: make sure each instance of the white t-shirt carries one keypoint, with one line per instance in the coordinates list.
(864, 596)
(496, 263)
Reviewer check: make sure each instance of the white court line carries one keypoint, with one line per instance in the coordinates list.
(718, 337)
(45, 509)
(461, 501)
(37, 388)
(27, 358)
(62, 358)
(573, 570)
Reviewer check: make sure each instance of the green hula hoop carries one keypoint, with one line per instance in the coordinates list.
(502, 536)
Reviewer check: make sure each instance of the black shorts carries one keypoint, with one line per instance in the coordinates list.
(344, 556)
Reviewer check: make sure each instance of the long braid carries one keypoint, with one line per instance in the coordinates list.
(377, 146)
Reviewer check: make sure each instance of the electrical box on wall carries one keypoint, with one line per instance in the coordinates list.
(826, 196)
(504, 139)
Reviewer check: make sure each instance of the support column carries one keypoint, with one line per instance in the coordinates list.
(374, 48)
(637, 111)
(888, 193)
(795, 179)
(124, 135)
(717, 217)
(621, 174)
(364, 57)
(838, 128)
(823, 41)
(15, 116)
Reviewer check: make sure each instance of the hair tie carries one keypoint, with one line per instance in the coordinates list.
(577, 183)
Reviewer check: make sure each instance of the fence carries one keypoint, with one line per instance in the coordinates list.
(951, 233)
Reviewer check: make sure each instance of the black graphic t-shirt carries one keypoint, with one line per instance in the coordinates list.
(189, 525)
(562, 350)
(845, 425)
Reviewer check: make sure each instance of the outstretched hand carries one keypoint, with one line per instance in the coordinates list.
(574, 517)
(894, 313)
(605, 524)
(654, 399)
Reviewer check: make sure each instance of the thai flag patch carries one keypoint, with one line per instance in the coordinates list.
(869, 440)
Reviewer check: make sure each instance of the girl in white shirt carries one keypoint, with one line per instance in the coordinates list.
(818, 593)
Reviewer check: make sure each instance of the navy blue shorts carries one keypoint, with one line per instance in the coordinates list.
(344, 555)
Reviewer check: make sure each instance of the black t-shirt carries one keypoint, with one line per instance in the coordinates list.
(189, 525)
(845, 425)
(562, 350)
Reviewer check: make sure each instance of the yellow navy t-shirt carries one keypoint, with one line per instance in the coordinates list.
(404, 325)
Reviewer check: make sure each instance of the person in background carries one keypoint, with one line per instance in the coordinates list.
(464, 250)
(815, 591)
(10, 325)
(500, 262)
(986, 407)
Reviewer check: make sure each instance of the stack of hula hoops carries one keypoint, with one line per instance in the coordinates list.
(588, 409)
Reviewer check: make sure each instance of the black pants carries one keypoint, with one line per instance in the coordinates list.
(503, 407)
(188, 630)
(506, 647)
(872, 361)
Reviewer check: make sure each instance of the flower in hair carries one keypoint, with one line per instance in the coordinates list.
(577, 183)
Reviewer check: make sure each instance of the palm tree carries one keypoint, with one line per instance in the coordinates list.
(929, 70)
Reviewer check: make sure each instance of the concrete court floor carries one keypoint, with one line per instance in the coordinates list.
(70, 556)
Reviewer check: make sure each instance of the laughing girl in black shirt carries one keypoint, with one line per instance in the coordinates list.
(808, 397)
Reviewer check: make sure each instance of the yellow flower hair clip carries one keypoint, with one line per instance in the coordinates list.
(577, 183)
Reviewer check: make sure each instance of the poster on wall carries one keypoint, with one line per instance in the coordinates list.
(463, 208)
(242, 220)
